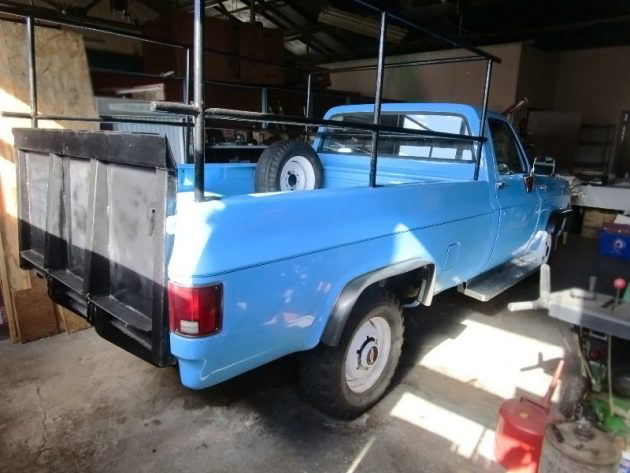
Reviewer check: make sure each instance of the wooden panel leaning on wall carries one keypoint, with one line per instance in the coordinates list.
(63, 88)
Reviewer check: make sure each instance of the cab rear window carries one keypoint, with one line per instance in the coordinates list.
(404, 147)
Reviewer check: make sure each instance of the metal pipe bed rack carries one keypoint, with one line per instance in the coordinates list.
(198, 112)
(32, 15)
(239, 115)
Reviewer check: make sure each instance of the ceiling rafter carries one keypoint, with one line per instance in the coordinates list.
(228, 14)
(547, 25)
(264, 8)
(314, 22)
(158, 6)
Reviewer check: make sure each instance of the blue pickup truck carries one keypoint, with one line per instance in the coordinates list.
(293, 254)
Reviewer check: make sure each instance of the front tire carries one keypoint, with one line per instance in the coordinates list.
(547, 247)
(346, 380)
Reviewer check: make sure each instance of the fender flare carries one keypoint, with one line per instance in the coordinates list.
(348, 296)
(557, 220)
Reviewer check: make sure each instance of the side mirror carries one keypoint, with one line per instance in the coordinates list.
(544, 166)
(529, 181)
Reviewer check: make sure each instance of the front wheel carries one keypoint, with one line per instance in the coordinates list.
(547, 247)
(346, 380)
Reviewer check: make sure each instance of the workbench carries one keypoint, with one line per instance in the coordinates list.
(604, 197)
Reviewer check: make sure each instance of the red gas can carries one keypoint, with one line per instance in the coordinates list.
(521, 429)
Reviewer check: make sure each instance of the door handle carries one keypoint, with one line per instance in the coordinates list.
(500, 185)
(542, 188)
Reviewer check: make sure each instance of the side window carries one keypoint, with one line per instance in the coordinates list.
(505, 148)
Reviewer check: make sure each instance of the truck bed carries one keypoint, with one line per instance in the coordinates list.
(339, 171)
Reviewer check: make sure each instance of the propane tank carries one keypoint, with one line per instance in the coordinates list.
(571, 447)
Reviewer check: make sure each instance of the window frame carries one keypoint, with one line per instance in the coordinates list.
(517, 143)
(402, 114)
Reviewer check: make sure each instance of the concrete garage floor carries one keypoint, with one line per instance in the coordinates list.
(77, 403)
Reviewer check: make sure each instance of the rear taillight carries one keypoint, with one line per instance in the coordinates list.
(195, 311)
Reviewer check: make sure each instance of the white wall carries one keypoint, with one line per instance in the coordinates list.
(440, 83)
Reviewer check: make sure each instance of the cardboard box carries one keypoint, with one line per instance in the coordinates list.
(221, 36)
(263, 74)
(261, 43)
(614, 240)
(594, 220)
(178, 27)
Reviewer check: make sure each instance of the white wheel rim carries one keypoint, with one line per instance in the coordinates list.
(297, 175)
(368, 354)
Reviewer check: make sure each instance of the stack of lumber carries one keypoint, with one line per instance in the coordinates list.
(63, 85)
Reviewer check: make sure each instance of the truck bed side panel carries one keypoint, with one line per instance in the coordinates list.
(281, 305)
(221, 236)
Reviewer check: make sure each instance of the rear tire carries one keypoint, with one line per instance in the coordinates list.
(346, 380)
(288, 166)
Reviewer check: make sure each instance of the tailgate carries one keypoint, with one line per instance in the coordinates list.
(92, 209)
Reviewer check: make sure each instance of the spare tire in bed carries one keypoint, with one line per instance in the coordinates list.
(288, 166)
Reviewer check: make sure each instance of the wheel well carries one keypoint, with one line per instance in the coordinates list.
(413, 287)
(412, 281)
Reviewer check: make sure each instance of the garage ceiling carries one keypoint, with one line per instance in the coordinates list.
(561, 24)
(312, 37)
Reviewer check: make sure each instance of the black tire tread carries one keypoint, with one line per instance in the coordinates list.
(266, 176)
(264, 164)
(320, 366)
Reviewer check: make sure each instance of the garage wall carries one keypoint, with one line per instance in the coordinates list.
(594, 82)
(537, 77)
(440, 83)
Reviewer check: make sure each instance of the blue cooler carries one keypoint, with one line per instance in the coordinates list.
(614, 240)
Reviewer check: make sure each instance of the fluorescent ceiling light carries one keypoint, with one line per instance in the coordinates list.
(360, 24)
(296, 46)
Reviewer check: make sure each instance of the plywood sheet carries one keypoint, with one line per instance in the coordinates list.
(35, 312)
(63, 81)
(7, 188)
(64, 87)
(71, 322)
